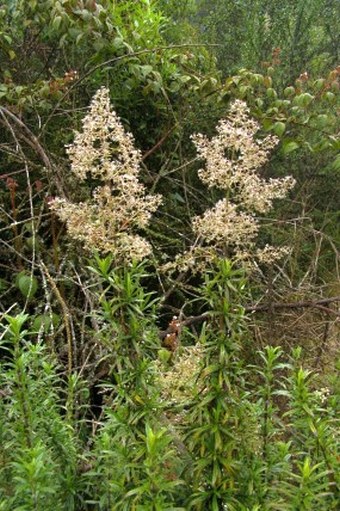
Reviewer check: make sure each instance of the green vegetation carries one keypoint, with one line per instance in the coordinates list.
(169, 261)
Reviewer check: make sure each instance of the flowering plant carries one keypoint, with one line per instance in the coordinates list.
(233, 159)
(120, 205)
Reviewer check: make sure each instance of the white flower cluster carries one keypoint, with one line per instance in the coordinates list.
(225, 222)
(103, 149)
(232, 160)
(105, 152)
(269, 254)
(322, 394)
(180, 382)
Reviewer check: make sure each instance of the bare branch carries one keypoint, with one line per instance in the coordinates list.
(318, 304)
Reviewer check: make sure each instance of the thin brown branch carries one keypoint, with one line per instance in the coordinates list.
(158, 144)
(318, 304)
(34, 142)
(293, 305)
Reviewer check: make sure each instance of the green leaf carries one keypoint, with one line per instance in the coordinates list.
(118, 43)
(303, 100)
(44, 321)
(3, 91)
(289, 91)
(79, 38)
(319, 84)
(289, 147)
(164, 355)
(267, 124)
(271, 93)
(57, 22)
(16, 323)
(322, 120)
(336, 163)
(213, 368)
(146, 70)
(7, 38)
(177, 197)
(329, 96)
(279, 128)
(27, 284)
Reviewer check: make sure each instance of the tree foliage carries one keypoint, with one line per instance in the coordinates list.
(302, 36)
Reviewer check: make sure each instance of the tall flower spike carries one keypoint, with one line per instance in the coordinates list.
(233, 159)
(120, 206)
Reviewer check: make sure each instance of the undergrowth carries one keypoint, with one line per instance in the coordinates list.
(260, 436)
